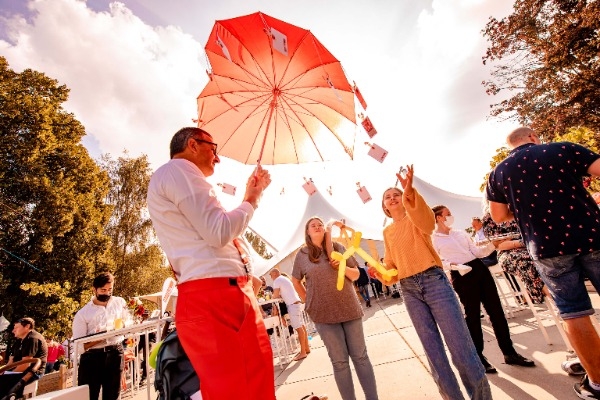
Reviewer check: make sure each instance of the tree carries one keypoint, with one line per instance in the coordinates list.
(258, 244)
(545, 58)
(139, 261)
(52, 211)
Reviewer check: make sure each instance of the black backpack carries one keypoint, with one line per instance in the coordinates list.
(175, 378)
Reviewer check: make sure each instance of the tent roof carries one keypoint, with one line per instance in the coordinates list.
(462, 207)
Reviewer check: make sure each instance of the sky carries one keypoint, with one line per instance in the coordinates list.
(136, 67)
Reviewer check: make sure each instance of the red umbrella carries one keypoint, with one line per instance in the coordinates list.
(276, 94)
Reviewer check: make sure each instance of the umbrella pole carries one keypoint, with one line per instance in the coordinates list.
(271, 108)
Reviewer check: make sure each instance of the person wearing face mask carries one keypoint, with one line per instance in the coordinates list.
(101, 363)
(474, 288)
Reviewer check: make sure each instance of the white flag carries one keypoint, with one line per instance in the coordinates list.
(223, 47)
(309, 187)
(279, 41)
(227, 188)
(378, 152)
(364, 195)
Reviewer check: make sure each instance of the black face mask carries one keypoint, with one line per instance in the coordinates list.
(103, 298)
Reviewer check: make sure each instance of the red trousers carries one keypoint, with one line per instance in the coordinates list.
(222, 331)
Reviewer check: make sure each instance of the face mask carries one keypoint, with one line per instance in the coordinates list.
(103, 298)
(449, 220)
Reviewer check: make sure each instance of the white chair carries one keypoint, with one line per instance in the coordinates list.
(277, 341)
(504, 294)
(30, 390)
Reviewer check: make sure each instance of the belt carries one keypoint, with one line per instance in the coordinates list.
(210, 283)
(105, 349)
(298, 302)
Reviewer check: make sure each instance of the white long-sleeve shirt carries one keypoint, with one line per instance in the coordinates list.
(458, 248)
(93, 318)
(194, 230)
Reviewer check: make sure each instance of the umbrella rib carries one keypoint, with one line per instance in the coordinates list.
(299, 120)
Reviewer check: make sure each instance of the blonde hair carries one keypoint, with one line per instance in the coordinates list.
(385, 210)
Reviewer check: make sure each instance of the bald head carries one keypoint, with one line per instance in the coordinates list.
(521, 136)
(274, 273)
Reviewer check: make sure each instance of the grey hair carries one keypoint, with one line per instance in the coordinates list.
(180, 139)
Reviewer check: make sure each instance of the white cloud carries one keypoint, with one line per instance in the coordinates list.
(132, 85)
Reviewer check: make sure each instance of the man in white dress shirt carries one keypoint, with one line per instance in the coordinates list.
(284, 288)
(101, 363)
(218, 319)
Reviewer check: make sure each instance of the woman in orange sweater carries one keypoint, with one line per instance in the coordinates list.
(428, 295)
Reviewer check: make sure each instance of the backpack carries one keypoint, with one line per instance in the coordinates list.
(175, 378)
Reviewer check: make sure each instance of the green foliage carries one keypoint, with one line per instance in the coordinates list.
(139, 262)
(60, 306)
(258, 245)
(52, 210)
(546, 65)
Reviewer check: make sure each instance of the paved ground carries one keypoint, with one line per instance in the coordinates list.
(401, 367)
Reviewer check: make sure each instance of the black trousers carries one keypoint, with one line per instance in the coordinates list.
(102, 369)
(476, 288)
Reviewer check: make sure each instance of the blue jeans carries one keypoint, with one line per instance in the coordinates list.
(343, 340)
(433, 307)
(564, 276)
(364, 292)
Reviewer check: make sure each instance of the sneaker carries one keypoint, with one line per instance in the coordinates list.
(517, 359)
(573, 367)
(584, 391)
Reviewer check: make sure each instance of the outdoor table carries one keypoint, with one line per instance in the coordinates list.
(145, 328)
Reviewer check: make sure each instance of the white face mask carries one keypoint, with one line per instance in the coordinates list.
(449, 220)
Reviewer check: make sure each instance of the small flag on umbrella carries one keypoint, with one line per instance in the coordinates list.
(369, 128)
(363, 193)
(279, 41)
(359, 96)
(377, 152)
(227, 188)
(224, 48)
(337, 95)
(309, 186)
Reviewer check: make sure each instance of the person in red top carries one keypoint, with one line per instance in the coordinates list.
(55, 351)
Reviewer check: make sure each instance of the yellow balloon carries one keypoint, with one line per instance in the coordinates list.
(355, 248)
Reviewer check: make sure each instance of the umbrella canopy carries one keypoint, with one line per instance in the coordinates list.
(276, 95)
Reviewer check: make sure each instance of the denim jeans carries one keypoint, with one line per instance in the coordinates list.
(564, 276)
(364, 292)
(343, 340)
(433, 307)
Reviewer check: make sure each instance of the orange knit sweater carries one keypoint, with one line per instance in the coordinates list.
(408, 246)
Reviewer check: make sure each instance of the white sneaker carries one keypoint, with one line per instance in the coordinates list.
(573, 367)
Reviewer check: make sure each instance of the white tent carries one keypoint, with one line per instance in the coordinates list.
(157, 298)
(463, 208)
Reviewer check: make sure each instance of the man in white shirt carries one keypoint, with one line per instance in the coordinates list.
(218, 319)
(101, 363)
(284, 288)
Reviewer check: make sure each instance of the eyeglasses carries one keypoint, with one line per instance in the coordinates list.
(207, 142)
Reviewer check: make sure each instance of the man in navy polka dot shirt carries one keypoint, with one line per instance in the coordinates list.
(541, 187)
